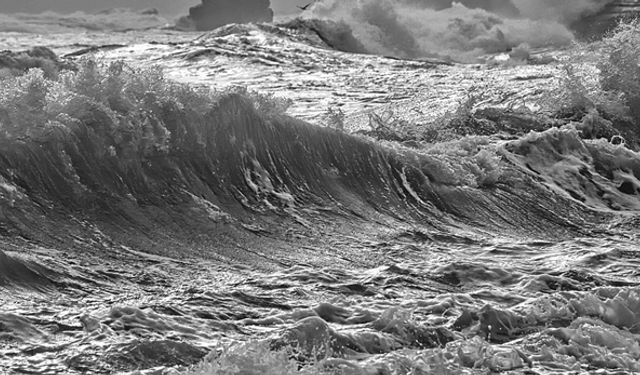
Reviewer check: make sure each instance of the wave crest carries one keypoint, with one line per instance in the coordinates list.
(123, 145)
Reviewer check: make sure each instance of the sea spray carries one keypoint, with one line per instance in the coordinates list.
(409, 29)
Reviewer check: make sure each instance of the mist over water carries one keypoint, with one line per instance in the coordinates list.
(459, 30)
(563, 11)
(108, 20)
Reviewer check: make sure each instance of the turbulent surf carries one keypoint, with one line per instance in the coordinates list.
(293, 198)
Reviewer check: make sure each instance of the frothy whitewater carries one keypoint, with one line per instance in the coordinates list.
(140, 233)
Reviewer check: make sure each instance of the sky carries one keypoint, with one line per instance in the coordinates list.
(166, 7)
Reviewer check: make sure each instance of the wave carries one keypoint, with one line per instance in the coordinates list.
(336, 35)
(598, 173)
(460, 30)
(119, 19)
(21, 273)
(140, 155)
(16, 63)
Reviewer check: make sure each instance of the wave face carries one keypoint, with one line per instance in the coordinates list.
(114, 142)
(459, 30)
(237, 160)
(84, 149)
(21, 273)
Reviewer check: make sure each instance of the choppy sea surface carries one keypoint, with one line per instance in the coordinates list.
(349, 235)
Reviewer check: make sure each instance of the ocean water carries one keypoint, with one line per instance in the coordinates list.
(300, 199)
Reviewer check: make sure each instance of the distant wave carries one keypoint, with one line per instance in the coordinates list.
(336, 35)
(460, 30)
(16, 63)
(110, 20)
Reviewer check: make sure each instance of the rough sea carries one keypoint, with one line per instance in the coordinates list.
(351, 192)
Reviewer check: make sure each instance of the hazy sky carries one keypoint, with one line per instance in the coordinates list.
(169, 7)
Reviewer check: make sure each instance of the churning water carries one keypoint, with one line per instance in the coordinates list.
(340, 213)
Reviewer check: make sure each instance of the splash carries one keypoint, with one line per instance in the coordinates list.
(462, 31)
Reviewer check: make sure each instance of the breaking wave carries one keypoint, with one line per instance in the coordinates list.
(112, 141)
(336, 35)
(600, 174)
(459, 30)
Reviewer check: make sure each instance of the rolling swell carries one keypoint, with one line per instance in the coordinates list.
(233, 166)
